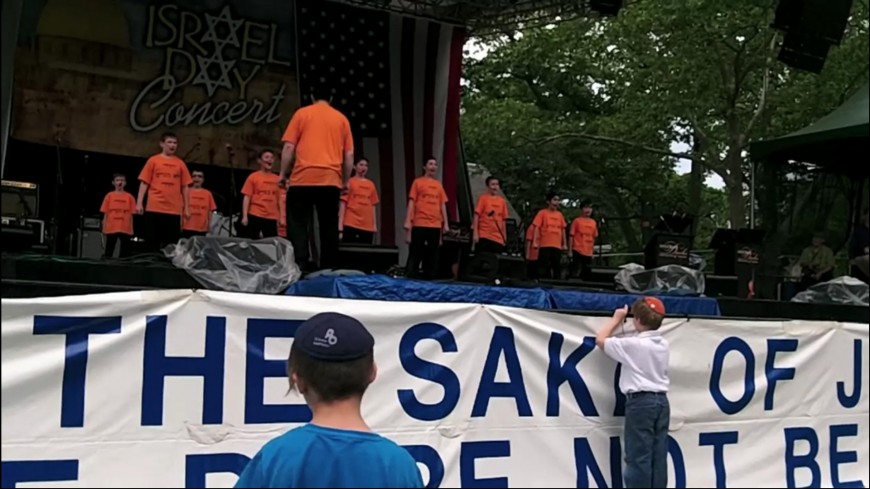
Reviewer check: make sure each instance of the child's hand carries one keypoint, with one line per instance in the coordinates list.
(620, 313)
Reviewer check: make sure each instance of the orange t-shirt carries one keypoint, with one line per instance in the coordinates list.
(321, 135)
(530, 237)
(165, 176)
(584, 230)
(282, 211)
(262, 188)
(201, 206)
(552, 225)
(491, 213)
(360, 199)
(118, 208)
(428, 196)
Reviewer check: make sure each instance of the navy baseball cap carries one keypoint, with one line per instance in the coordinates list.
(334, 337)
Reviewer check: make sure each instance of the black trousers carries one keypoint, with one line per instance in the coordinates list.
(488, 246)
(163, 229)
(301, 201)
(260, 226)
(424, 246)
(357, 236)
(581, 266)
(550, 262)
(187, 234)
(114, 238)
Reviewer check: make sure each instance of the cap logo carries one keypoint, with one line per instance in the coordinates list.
(329, 339)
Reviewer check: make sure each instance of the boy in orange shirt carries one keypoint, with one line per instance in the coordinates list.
(118, 208)
(583, 232)
(166, 181)
(426, 221)
(260, 210)
(201, 206)
(357, 214)
(550, 237)
(489, 219)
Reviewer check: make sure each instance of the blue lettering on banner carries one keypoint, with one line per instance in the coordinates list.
(502, 343)
(807, 460)
(774, 374)
(850, 401)
(473, 450)
(257, 369)
(559, 373)
(426, 370)
(199, 465)
(619, 408)
(679, 463)
(725, 405)
(584, 461)
(75, 368)
(15, 472)
(429, 457)
(157, 366)
(838, 458)
(718, 442)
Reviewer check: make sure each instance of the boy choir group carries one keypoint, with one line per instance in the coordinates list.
(323, 175)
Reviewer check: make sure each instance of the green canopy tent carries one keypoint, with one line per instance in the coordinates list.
(830, 142)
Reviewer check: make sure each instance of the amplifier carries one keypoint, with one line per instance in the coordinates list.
(367, 258)
(19, 199)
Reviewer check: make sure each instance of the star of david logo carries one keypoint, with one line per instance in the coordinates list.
(203, 77)
(219, 40)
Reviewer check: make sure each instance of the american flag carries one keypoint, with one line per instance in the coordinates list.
(397, 79)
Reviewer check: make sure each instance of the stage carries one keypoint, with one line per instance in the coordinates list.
(32, 275)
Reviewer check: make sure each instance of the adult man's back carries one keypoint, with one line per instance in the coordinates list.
(321, 140)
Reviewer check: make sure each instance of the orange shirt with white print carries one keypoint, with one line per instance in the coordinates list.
(360, 201)
(118, 208)
(321, 135)
(530, 237)
(552, 225)
(429, 196)
(491, 213)
(262, 188)
(165, 176)
(584, 230)
(201, 206)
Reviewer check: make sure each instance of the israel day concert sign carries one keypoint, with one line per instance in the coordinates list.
(112, 75)
(180, 388)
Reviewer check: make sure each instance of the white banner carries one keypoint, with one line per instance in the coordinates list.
(179, 388)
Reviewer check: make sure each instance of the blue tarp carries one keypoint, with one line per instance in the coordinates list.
(380, 287)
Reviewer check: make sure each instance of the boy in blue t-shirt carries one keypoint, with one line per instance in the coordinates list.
(332, 364)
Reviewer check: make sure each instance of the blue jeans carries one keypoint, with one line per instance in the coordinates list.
(647, 416)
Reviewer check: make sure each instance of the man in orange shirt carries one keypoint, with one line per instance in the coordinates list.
(357, 214)
(166, 181)
(426, 222)
(550, 237)
(201, 206)
(260, 209)
(320, 138)
(583, 232)
(489, 219)
(118, 208)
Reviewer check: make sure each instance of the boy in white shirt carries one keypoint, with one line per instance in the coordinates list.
(644, 382)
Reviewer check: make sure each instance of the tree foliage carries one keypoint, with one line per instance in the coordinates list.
(593, 107)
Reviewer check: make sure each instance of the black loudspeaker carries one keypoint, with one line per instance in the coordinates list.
(606, 7)
(489, 266)
(367, 258)
(513, 241)
(823, 20)
(804, 53)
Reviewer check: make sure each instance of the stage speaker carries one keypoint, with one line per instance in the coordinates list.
(804, 53)
(490, 266)
(606, 7)
(513, 243)
(90, 244)
(367, 258)
(823, 20)
(19, 199)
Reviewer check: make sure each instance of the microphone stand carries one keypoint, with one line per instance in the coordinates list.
(232, 197)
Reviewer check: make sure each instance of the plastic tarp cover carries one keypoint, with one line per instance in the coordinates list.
(669, 279)
(265, 266)
(381, 287)
(571, 300)
(842, 290)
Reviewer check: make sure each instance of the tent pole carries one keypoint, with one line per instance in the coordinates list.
(752, 193)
